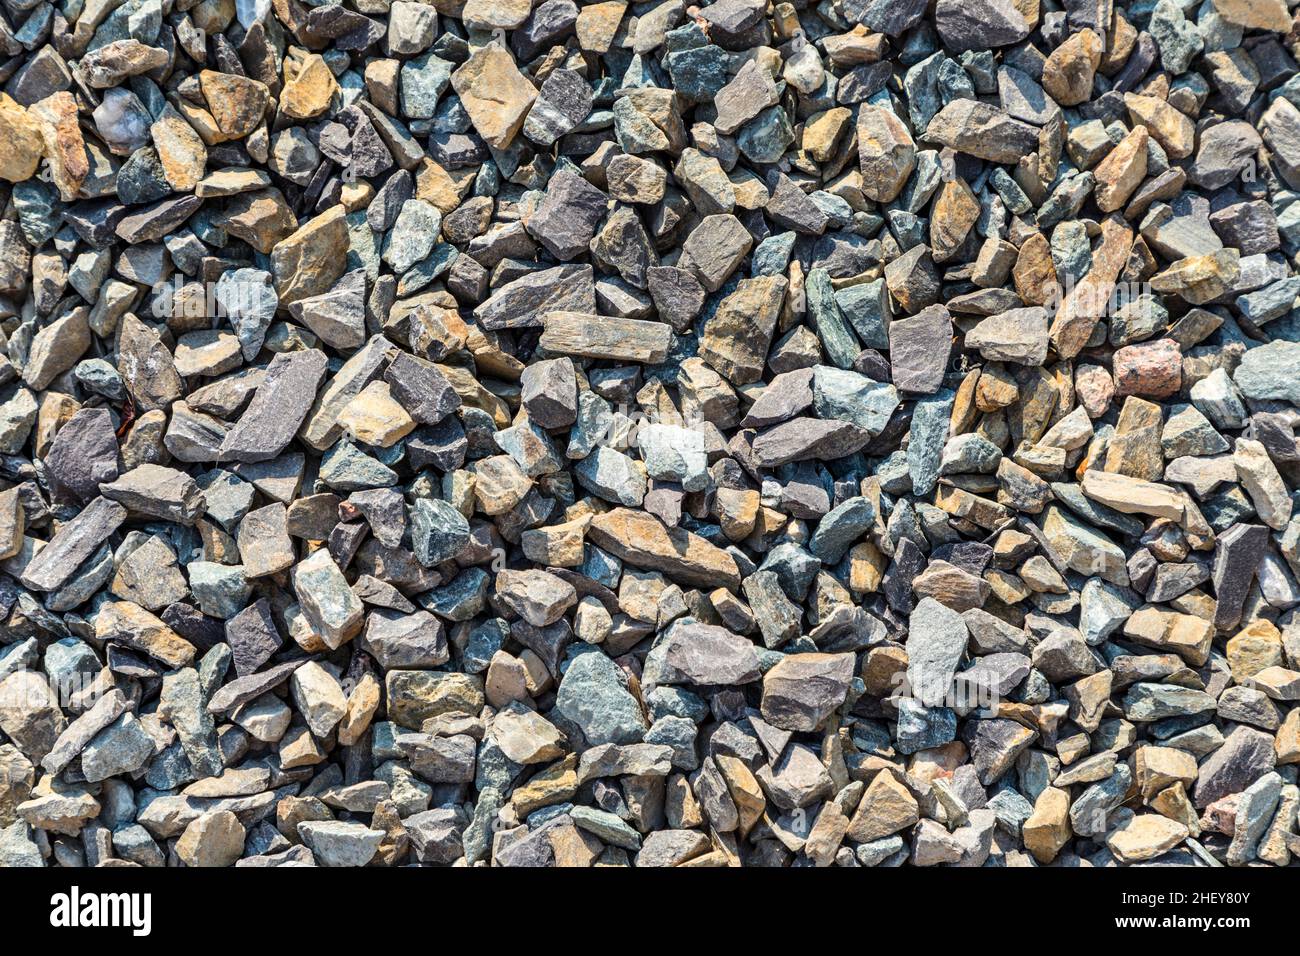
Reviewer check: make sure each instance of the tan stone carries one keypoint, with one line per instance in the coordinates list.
(1133, 495)
(21, 143)
(598, 23)
(65, 148)
(1069, 71)
(1034, 273)
(1158, 768)
(1262, 481)
(1287, 741)
(237, 103)
(1135, 448)
(309, 93)
(375, 418)
(135, 627)
(823, 132)
(745, 791)
(867, 566)
(56, 348)
(435, 185)
(1088, 698)
(737, 511)
(882, 668)
(1174, 131)
(556, 784)
(495, 94)
(641, 540)
(826, 835)
(214, 839)
(1088, 301)
(1122, 171)
(1173, 802)
(1200, 279)
(560, 545)
(311, 259)
(363, 703)
(260, 218)
(1047, 829)
(1186, 635)
(885, 808)
(181, 151)
(1256, 14)
(499, 484)
(1144, 837)
(950, 585)
(1252, 649)
(506, 681)
(952, 216)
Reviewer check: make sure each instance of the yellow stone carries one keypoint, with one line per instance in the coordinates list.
(885, 808)
(21, 144)
(597, 25)
(1122, 171)
(1145, 837)
(309, 93)
(495, 94)
(1255, 647)
(822, 132)
(1048, 827)
(181, 151)
(375, 418)
(65, 149)
(1174, 131)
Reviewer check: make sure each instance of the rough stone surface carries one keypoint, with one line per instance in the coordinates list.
(497, 433)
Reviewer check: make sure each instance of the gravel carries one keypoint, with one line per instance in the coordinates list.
(513, 434)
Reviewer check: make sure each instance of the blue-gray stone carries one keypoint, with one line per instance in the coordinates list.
(345, 467)
(438, 531)
(484, 641)
(841, 527)
(795, 568)
(1178, 40)
(593, 696)
(837, 338)
(221, 590)
(929, 433)
(460, 598)
(921, 727)
(866, 306)
(772, 255)
(423, 80)
(764, 138)
(1270, 302)
(850, 397)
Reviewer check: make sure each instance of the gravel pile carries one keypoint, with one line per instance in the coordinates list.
(487, 433)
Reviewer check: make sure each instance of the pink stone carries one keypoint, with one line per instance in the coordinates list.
(1095, 389)
(1150, 369)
